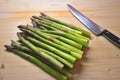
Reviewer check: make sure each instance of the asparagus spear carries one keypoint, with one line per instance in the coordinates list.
(57, 27)
(85, 33)
(61, 27)
(42, 54)
(52, 49)
(37, 62)
(62, 48)
(76, 55)
(42, 20)
(72, 48)
(36, 25)
(41, 24)
(37, 31)
(26, 49)
(82, 41)
(66, 40)
(64, 71)
(58, 42)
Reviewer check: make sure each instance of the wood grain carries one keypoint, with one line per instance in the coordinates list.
(100, 62)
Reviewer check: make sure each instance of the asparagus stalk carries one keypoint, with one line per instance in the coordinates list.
(62, 48)
(64, 29)
(42, 54)
(72, 48)
(36, 25)
(52, 49)
(53, 25)
(57, 27)
(58, 41)
(68, 41)
(33, 23)
(82, 41)
(85, 33)
(64, 71)
(77, 55)
(37, 62)
(26, 49)
(41, 24)
(64, 61)
(42, 20)
(67, 46)
(77, 34)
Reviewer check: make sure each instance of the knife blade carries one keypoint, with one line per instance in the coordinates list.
(95, 28)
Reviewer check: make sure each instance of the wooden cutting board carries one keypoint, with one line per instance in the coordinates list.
(100, 62)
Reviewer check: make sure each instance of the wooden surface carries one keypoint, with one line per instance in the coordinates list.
(100, 62)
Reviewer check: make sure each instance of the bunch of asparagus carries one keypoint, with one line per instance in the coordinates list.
(51, 44)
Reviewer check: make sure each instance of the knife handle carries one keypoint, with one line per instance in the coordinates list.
(111, 37)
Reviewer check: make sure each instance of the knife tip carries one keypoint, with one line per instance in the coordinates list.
(68, 4)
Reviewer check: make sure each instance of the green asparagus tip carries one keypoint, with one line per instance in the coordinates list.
(35, 17)
(21, 26)
(20, 34)
(43, 14)
(24, 27)
(34, 24)
(32, 19)
(13, 42)
(24, 30)
(28, 26)
(8, 47)
(37, 22)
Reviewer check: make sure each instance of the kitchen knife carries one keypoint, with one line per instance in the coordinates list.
(96, 29)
